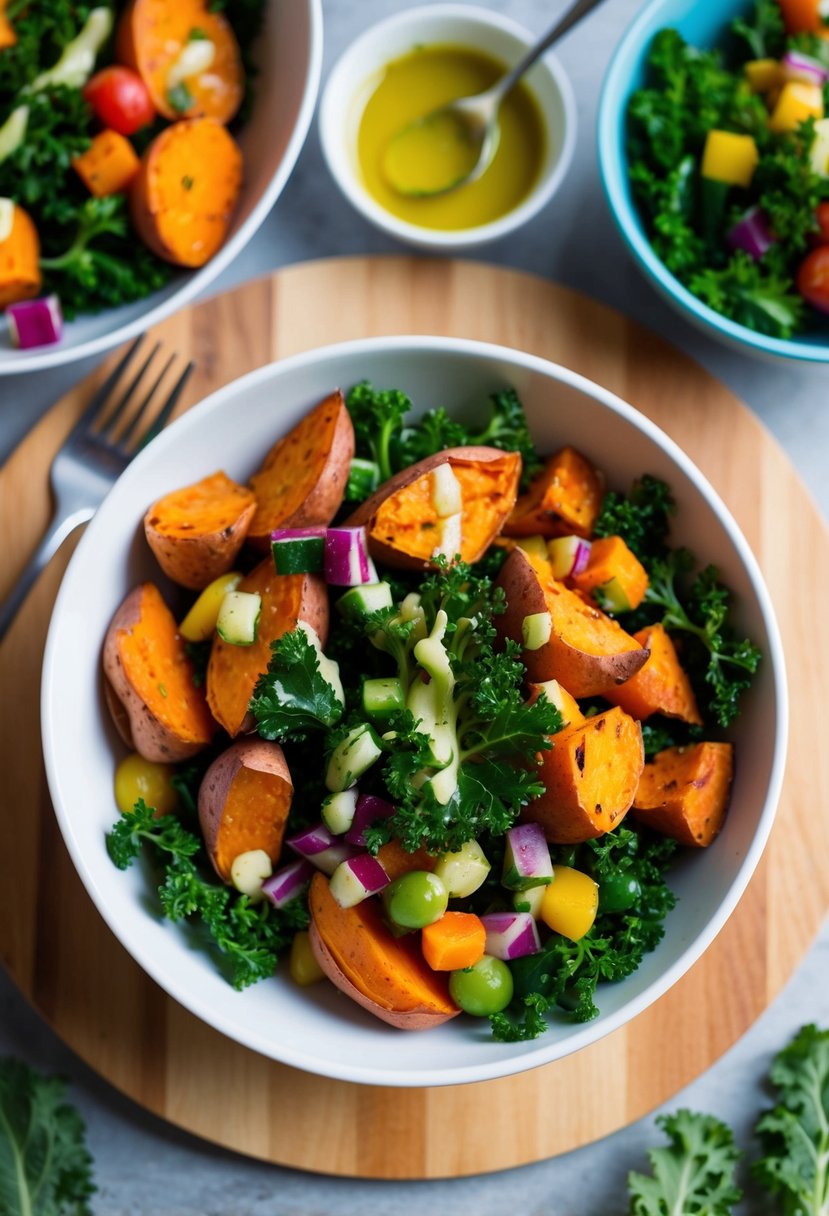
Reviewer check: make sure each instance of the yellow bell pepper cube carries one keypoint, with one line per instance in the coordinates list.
(570, 902)
(796, 103)
(762, 74)
(729, 158)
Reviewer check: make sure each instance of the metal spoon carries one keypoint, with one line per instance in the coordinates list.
(463, 135)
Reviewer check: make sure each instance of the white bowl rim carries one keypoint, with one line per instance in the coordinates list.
(549, 1049)
(457, 238)
(194, 284)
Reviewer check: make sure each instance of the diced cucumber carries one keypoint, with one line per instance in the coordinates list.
(463, 871)
(298, 554)
(360, 601)
(536, 630)
(382, 698)
(611, 596)
(363, 479)
(529, 900)
(338, 811)
(352, 757)
(238, 619)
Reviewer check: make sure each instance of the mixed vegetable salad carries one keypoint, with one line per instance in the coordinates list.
(728, 153)
(116, 162)
(432, 716)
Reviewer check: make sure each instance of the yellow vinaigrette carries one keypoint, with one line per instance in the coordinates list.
(413, 86)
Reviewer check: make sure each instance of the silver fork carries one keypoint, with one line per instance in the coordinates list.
(93, 456)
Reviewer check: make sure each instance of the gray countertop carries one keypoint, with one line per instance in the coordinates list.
(146, 1166)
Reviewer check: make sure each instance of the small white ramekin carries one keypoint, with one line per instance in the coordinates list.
(356, 74)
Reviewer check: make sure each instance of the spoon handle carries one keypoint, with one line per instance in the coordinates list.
(573, 15)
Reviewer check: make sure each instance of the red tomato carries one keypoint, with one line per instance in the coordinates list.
(120, 99)
(813, 278)
(822, 217)
(800, 16)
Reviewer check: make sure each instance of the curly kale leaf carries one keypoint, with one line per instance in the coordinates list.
(693, 1173)
(642, 517)
(294, 696)
(763, 32)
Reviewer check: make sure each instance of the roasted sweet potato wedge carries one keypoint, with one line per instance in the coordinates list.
(404, 527)
(660, 686)
(563, 498)
(587, 651)
(196, 532)
(384, 974)
(303, 477)
(684, 791)
(591, 774)
(162, 714)
(232, 671)
(244, 800)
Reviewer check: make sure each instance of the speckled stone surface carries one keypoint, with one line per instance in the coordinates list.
(144, 1166)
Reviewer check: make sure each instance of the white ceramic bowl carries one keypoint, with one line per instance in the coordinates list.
(317, 1029)
(358, 70)
(289, 57)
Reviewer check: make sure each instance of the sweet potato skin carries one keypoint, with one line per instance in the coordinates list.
(660, 686)
(385, 975)
(184, 195)
(684, 792)
(150, 675)
(232, 671)
(302, 479)
(400, 517)
(563, 498)
(590, 775)
(20, 276)
(196, 533)
(244, 800)
(587, 651)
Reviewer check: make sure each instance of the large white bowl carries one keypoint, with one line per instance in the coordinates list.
(317, 1029)
(289, 57)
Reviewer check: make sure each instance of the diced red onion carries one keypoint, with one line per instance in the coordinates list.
(356, 879)
(511, 935)
(322, 849)
(752, 234)
(289, 882)
(35, 322)
(569, 555)
(527, 861)
(297, 533)
(369, 808)
(346, 557)
(797, 66)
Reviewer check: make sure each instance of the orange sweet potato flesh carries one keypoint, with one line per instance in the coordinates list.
(590, 775)
(303, 477)
(564, 498)
(232, 671)
(7, 35)
(587, 651)
(150, 674)
(184, 195)
(402, 524)
(610, 558)
(385, 974)
(197, 532)
(396, 861)
(108, 165)
(150, 37)
(660, 686)
(20, 276)
(684, 791)
(244, 800)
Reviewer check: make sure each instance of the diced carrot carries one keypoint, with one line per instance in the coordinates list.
(612, 563)
(109, 164)
(19, 260)
(455, 941)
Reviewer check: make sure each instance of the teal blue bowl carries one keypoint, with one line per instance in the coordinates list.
(704, 24)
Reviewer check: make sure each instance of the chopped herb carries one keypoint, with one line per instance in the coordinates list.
(180, 98)
(187, 182)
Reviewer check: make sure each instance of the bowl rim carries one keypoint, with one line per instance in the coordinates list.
(193, 284)
(550, 1049)
(435, 238)
(612, 171)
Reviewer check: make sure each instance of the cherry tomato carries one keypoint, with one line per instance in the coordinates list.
(822, 217)
(120, 99)
(813, 278)
(800, 16)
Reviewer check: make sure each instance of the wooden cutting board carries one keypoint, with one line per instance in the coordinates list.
(103, 1006)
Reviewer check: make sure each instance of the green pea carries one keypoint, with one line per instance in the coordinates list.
(483, 989)
(618, 892)
(416, 899)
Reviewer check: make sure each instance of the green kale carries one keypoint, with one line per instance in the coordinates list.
(294, 696)
(794, 1134)
(745, 292)
(789, 193)
(694, 1173)
(763, 32)
(45, 1166)
(642, 517)
(42, 31)
(377, 416)
(139, 827)
(38, 174)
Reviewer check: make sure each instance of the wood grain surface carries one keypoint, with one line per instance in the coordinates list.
(103, 1006)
